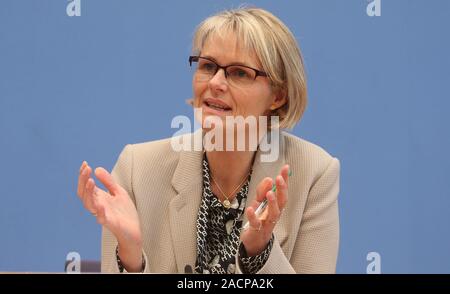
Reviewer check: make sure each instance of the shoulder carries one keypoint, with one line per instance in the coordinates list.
(157, 148)
(152, 154)
(307, 155)
(300, 147)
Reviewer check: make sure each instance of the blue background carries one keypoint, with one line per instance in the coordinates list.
(75, 88)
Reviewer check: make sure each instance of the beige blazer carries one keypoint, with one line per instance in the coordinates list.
(166, 187)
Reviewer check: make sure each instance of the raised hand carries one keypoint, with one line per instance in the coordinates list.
(257, 236)
(115, 210)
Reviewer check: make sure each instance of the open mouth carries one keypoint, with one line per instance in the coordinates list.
(218, 107)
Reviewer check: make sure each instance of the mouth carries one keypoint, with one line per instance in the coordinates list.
(217, 105)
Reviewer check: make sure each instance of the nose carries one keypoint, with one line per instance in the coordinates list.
(219, 81)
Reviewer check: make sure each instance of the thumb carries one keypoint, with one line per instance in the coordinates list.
(105, 177)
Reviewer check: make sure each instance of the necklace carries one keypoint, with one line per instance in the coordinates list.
(226, 203)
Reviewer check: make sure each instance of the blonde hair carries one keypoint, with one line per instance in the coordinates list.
(275, 47)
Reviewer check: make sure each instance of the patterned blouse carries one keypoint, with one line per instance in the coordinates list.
(218, 232)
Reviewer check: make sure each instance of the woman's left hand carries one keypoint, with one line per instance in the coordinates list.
(257, 236)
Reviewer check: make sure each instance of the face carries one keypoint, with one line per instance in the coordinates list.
(216, 97)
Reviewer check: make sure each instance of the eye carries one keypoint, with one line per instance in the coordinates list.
(240, 72)
(206, 66)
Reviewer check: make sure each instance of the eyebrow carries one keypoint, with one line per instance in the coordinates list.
(233, 63)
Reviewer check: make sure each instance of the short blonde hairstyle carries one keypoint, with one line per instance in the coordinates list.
(274, 46)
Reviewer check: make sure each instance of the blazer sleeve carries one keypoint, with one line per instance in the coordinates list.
(317, 243)
(316, 246)
(122, 174)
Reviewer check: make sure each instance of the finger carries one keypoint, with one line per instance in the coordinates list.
(82, 179)
(285, 170)
(261, 190)
(273, 209)
(88, 198)
(82, 166)
(254, 221)
(281, 193)
(106, 178)
(80, 185)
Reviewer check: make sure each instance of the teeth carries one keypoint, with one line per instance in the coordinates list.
(217, 106)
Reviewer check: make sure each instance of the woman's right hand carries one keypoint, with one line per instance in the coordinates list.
(116, 211)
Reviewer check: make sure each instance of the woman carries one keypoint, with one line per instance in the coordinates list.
(169, 211)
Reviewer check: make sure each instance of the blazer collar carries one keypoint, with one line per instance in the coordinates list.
(188, 184)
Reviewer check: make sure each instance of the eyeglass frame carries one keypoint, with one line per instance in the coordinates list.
(195, 58)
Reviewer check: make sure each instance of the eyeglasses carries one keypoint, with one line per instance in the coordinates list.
(237, 75)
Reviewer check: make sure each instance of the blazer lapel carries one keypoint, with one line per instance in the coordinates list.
(183, 209)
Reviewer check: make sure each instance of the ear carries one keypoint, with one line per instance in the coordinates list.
(280, 99)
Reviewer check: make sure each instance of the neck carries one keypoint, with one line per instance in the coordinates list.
(229, 168)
